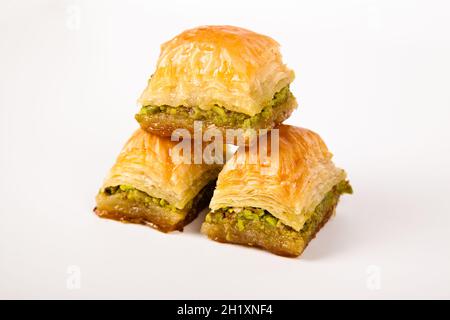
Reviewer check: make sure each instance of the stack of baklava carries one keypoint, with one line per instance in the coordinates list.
(225, 79)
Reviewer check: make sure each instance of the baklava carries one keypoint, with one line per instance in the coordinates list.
(281, 202)
(146, 186)
(226, 77)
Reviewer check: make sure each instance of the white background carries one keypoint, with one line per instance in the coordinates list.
(372, 77)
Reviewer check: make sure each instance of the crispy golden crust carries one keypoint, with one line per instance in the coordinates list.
(164, 124)
(117, 208)
(289, 188)
(232, 67)
(276, 240)
(146, 164)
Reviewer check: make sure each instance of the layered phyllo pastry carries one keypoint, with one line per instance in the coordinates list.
(147, 185)
(278, 203)
(226, 77)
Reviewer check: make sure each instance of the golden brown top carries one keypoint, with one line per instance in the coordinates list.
(290, 190)
(218, 65)
(146, 164)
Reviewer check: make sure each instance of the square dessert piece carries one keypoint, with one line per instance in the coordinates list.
(279, 208)
(146, 186)
(227, 77)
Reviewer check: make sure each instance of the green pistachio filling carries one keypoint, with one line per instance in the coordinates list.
(133, 194)
(250, 217)
(219, 115)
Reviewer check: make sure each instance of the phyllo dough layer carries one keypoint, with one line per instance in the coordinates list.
(163, 120)
(130, 205)
(290, 189)
(224, 66)
(297, 188)
(257, 227)
(146, 186)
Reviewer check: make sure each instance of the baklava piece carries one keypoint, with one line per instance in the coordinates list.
(146, 186)
(279, 206)
(224, 76)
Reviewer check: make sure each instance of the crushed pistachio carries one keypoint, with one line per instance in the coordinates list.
(240, 225)
(218, 114)
(263, 219)
(133, 194)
